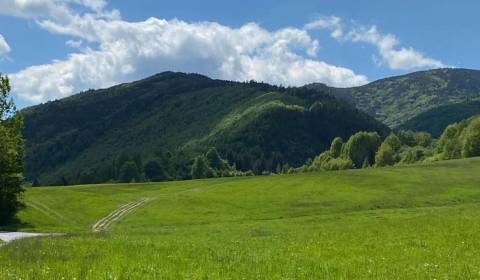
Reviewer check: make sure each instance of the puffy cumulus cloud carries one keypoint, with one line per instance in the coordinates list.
(132, 50)
(60, 10)
(4, 47)
(397, 58)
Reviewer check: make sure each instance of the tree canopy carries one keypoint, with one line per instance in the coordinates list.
(11, 155)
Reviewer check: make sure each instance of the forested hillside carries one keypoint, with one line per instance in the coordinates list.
(396, 100)
(435, 120)
(173, 117)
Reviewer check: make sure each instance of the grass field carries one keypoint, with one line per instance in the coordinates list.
(414, 222)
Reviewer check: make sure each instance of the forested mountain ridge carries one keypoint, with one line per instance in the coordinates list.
(437, 119)
(396, 100)
(254, 126)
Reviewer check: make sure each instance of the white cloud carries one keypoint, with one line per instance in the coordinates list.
(76, 44)
(53, 9)
(131, 50)
(387, 45)
(397, 58)
(332, 23)
(4, 47)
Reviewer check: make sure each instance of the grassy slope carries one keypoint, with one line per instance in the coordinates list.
(402, 223)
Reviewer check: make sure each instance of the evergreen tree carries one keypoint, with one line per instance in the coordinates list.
(200, 168)
(154, 171)
(11, 155)
(129, 172)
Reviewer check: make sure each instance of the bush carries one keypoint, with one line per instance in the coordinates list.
(471, 139)
(448, 145)
(361, 147)
(394, 142)
(326, 162)
(414, 154)
(385, 155)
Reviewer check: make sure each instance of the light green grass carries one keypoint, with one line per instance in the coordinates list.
(414, 222)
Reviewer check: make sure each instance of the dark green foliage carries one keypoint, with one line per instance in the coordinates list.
(436, 120)
(361, 148)
(336, 147)
(155, 172)
(184, 114)
(129, 172)
(11, 155)
(215, 161)
(201, 168)
(213, 165)
(396, 100)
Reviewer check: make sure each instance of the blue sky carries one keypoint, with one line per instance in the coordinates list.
(55, 48)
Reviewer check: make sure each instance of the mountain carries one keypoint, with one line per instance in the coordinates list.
(396, 100)
(437, 119)
(179, 114)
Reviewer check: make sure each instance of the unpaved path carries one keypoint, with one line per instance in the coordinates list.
(117, 214)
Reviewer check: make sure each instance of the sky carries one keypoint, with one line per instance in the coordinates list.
(52, 49)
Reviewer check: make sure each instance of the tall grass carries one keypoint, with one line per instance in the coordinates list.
(415, 222)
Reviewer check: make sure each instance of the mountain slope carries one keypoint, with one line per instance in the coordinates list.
(437, 119)
(398, 99)
(251, 124)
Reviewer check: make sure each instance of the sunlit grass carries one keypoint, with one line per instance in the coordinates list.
(415, 222)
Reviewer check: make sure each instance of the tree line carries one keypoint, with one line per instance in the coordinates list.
(367, 149)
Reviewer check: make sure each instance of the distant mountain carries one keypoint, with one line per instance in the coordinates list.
(396, 100)
(250, 124)
(437, 119)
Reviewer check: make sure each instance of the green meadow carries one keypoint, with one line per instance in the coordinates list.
(411, 222)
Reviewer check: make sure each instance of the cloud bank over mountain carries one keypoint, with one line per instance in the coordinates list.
(108, 50)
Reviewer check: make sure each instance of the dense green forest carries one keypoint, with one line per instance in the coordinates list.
(396, 100)
(436, 120)
(172, 118)
(162, 127)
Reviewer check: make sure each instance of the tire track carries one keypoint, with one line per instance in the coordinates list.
(117, 214)
(42, 208)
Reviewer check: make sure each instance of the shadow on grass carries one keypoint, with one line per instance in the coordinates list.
(14, 224)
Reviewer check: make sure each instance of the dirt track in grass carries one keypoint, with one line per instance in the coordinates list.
(117, 214)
